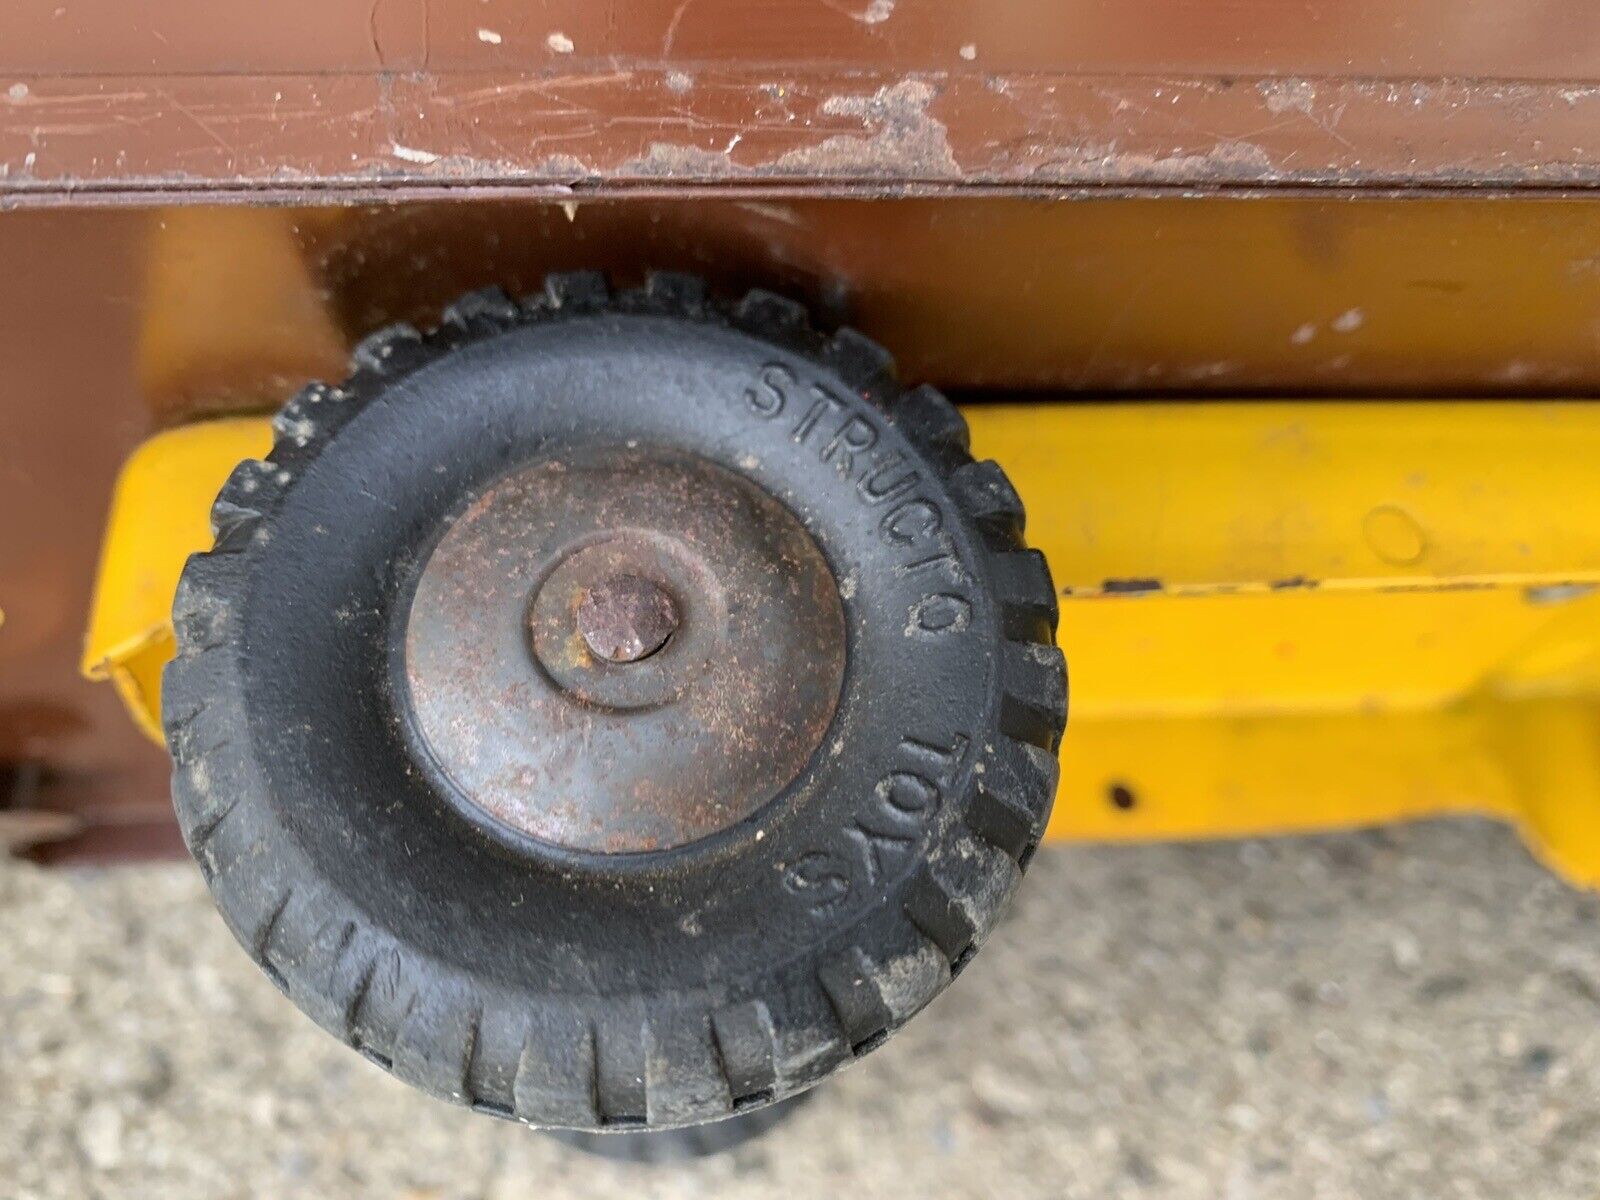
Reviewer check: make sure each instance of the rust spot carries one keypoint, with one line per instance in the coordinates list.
(558, 692)
(626, 618)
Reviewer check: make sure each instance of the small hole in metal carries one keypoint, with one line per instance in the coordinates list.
(1121, 797)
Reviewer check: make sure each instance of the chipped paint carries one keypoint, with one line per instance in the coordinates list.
(1288, 95)
(604, 126)
(1224, 161)
(665, 160)
(901, 137)
(412, 155)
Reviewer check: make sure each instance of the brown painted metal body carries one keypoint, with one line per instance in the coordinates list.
(1332, 198)
(405, 97)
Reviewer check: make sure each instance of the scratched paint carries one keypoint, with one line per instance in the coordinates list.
(581, 125)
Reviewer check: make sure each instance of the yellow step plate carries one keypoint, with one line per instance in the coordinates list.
(1279, 616)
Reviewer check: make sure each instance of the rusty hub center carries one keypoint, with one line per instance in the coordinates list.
(620, 652)
(625, 618)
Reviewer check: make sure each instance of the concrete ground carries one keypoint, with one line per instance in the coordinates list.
(1406, 1013)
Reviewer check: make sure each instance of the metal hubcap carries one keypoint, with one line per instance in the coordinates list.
(620, 652)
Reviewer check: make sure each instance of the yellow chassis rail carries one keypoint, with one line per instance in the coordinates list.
(1279, 617)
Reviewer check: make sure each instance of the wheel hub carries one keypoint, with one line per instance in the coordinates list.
(621, 652)
(625, 618)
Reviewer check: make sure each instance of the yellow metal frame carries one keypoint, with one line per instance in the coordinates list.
(1279, 616)
(160, 514)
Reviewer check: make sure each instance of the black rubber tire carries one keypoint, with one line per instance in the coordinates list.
(661, 1147)
(616, 991)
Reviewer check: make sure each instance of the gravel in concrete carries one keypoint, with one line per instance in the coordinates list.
(1405, 1013)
